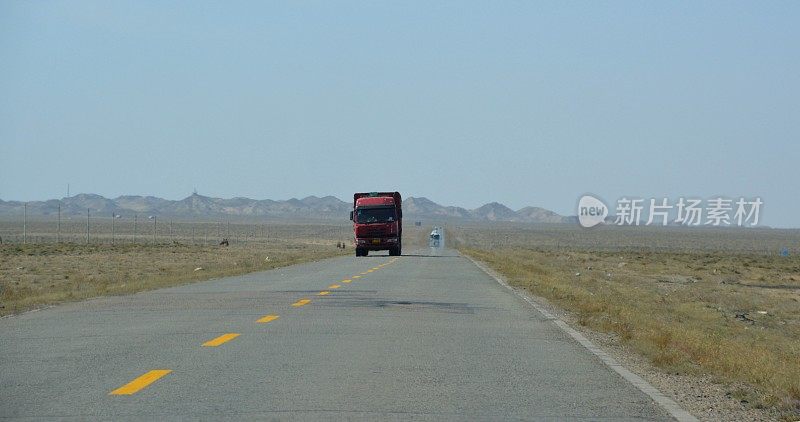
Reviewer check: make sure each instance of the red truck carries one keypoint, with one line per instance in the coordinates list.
(377, 222)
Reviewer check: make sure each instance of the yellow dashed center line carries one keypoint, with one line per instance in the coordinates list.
(141, 382)
(267, 318)
(301, 302)
(220, 340)
(153, 376)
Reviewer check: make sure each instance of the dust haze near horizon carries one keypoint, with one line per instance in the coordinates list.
(461, 102)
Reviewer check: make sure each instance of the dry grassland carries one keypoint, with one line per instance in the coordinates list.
(689, 309)
(33, 276)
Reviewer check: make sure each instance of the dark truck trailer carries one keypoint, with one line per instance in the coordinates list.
(377, 222)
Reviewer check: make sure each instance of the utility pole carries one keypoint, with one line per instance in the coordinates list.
(192, 234)
(58, 229)
(135, 217)
(25, 223)
(170, 229)
(113, 217)
(155, 222)
(87, 226)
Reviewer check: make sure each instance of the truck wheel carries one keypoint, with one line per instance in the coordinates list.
(359, 252)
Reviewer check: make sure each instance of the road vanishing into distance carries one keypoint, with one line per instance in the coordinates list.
(427, 336)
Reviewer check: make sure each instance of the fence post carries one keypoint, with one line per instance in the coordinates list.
(113, 217)
(25, 223)
(58, 229)
(87, 226)
(135, 217)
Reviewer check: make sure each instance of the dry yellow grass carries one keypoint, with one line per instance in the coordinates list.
(734, 316)
(32, 276)
(36, 275)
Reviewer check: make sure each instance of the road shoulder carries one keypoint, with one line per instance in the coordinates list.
(546, 309)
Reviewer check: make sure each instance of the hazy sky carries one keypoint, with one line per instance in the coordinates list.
(524, 103)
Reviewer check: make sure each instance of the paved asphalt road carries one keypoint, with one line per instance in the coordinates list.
(413, 337)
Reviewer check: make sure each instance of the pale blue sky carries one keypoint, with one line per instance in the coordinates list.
(524, 103)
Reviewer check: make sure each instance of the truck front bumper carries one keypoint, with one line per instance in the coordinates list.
(377, 243)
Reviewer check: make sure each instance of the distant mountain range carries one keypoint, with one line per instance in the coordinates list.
(312, 207)
(425, 208)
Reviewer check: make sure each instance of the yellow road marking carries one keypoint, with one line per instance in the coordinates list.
(220, 340)
(141, 382)
(323, 293)
(355, 276)
(348, 280)
(334, 286)
(267, 318)
(301, 302)
(376, 268)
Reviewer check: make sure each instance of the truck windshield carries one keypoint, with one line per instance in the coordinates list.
(375, 215)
